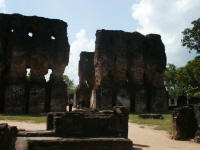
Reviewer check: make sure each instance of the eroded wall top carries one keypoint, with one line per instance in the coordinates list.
(33, 42)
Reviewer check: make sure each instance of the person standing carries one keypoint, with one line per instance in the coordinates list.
(71, 102)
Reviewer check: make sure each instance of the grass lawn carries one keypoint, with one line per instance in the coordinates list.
(160, 124)
(26, 118)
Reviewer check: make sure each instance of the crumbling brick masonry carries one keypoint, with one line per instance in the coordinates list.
(39, 44)
(129, 71)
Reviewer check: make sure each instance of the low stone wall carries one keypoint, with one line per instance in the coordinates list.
(112, 123)
(56, 143)
(80, 130)
(7, 137)
(186, 123)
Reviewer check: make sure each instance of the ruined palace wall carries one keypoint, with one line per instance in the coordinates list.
(86, 79)
(129, 71)
(36, 43)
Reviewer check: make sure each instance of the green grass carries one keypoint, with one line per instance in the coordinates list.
(159, 124)
(25, 118)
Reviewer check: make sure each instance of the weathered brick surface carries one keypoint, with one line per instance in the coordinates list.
(133, 63)
(7, 137)
(86, 79)
(186, 123)
(36, 43)
(56, 143)
(90, 124)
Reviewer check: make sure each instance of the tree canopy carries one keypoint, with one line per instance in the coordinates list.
(188, 77)
(171, 82)
(184, 80)
(191, 36)
(71, 88)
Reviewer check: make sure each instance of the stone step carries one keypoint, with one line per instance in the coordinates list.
(57, 143)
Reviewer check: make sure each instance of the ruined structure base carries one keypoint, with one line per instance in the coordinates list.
(56, 143)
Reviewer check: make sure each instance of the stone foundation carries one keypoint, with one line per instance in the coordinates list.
(56, 143)
(113, 123)
(80, 130)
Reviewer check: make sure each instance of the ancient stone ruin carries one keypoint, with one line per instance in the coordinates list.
(7, 137)
(129, 71)
(41, 44)
(186, 123)
(38, 44)
(85, 130)
(86, 79)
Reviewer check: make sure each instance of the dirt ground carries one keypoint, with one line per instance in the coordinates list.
(26, 125)
(146, 138)
(143, 137)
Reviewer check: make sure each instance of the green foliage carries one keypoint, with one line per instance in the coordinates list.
(171, 83)
(188, 77)
(191, 36)
(183, 81)
(71, 88)
(26, 118)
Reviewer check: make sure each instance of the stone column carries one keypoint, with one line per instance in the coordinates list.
(58, 96)
(58, 92)
(37, 86)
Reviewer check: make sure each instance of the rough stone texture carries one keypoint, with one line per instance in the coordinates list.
(129, 66)
(194, 100)
(90, 124)
(15, 98)
(197, 115)
(7, 137)
(86, 79)
(36, 43)
(186, 122)
(56, 143)
(80, 129)
(58, 96)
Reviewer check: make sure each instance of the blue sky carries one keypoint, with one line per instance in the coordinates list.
(167, 18)
(79, 14)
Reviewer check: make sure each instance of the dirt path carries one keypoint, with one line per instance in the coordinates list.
(26, 125)
(144, 138)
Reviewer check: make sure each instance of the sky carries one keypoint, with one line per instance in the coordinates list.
(165, 17)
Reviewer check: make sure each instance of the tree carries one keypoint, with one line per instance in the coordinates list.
(171, 83)
(188, 77)
(71, 88)
(191, 36)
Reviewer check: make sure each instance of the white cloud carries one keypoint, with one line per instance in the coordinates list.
(82, 43)
(2, 6)
(167, 18)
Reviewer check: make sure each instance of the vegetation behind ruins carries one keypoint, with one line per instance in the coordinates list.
(185, 81)
(71, 87)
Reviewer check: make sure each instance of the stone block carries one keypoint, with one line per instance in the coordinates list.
(7, 137)
(56, 143)
(90, 123)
